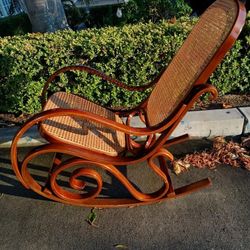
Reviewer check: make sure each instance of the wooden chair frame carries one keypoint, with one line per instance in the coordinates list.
(149, 151)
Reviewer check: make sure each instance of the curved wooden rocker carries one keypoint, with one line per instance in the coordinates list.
(96, 136)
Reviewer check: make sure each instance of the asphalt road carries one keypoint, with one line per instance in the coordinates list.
(214, 218)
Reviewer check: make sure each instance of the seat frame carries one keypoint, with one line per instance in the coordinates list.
(149, 151)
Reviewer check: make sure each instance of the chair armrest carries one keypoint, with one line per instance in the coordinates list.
(93, 72)
(44, 115)
(102, 120)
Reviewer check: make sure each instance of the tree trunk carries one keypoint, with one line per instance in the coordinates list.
(46, 15)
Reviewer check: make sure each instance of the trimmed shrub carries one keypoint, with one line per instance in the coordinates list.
(141, 11)
(155, 10)
(134, 54)
(233, 74)
(15, 25)
(132, 12)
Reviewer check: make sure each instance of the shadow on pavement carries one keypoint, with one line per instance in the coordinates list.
(11, 186)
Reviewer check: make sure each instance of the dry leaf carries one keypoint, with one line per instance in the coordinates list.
(246, 142)
(92, 218)
(180, 166)
(177, 168)
(218, 142)
(226, 106)
(120, 246)
(230, 153)
(173, 20)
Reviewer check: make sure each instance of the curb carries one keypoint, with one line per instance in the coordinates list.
(30, 139)
(198, 124)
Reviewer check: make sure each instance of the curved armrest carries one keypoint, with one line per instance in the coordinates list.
(91, 117)
(93, 72)
(102, 120)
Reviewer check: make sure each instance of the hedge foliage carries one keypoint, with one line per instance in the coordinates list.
(15, 25)
(133, 11)
(233, 75)
(134, 54)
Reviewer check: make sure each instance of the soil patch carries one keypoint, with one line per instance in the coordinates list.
(223, 102)
(9, 120)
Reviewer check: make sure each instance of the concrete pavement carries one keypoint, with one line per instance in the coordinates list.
(214, 218)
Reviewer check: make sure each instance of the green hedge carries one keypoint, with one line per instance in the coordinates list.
(233, 75)
(132, 12)
(15, 25)
(134, 54)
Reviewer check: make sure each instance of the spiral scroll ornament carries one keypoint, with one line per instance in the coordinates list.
(60, 193)
(74, 182)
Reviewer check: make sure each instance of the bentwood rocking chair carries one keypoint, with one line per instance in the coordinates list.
(96, 137)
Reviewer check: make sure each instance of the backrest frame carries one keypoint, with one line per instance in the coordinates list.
(211, 66)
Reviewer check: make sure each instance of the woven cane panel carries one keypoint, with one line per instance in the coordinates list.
(202, 43)
(83, 133)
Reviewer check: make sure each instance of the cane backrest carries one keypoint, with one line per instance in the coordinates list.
(194, 56)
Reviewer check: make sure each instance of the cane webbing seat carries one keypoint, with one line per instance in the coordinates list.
(79, 132)
(192, 58)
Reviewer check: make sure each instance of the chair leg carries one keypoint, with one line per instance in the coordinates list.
(164, 168)
(193, 187)
(52, 189)
(176, 140)
(188, 188)
(57, 160)
(172, 193)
